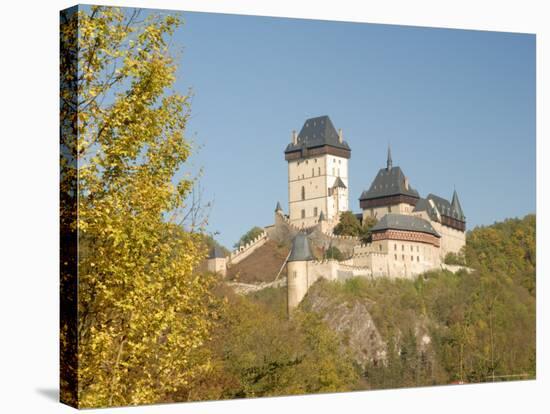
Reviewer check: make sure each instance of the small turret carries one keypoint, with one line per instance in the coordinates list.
(300, 249)
(217, 262)
(297, 270)
(321, 216)
(456, 208)
(278, 208)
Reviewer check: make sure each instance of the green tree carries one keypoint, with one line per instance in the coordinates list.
(334, 253)
(258, 353)
(249, 236)
(142, 312)
(453, 258)
(349, 225)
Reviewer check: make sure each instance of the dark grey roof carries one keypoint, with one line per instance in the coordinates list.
(317, 132)
(424, 205)
(300, 249)
(457, 208)
(339, 183)
(388, 182)
(216, 252)
(446, 209)
(404, 222)
(278, 207)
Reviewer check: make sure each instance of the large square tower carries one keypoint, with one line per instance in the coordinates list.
(317, 173)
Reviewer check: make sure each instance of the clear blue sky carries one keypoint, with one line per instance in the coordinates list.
(457, 106)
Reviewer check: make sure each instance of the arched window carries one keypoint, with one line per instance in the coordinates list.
(303, 193)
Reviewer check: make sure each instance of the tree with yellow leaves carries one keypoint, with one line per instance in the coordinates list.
(142, 312)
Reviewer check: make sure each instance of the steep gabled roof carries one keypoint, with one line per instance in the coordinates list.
(429, 207)
(404, 222)
(317, 132)
(339, 183)
(388, 182)
(300, 249)
(447, 209)
(457, 208)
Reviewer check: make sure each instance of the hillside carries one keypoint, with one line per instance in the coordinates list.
(262, 265)
(440, 328)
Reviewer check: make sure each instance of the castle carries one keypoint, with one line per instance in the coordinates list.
(412, 234)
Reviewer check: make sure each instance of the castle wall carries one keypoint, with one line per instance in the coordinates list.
(244, 251)
(452, 240)
(379, 212)
(395, 258)
(324, 240)
(217, 265)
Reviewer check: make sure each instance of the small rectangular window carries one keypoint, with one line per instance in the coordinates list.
(380, 247)
(315, 212)
(412, 248)
(402, 257)
(303, 214)
(402, 247)
(395, 246)
(412, 258)
(395, 256)
(417, 258)
(313, 172)
(319, 171)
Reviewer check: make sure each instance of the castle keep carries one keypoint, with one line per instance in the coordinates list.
(317, 173)
(412, 234)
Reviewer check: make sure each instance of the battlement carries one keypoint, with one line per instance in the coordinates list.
(244, 251)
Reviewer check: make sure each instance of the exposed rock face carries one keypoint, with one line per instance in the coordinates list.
(353, 324)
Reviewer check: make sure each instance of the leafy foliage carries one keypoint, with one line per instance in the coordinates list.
(334, 253)
(259, 353)
(249, 236)
(453, 258)
(349, 225)
(481, 324)
(142, 312)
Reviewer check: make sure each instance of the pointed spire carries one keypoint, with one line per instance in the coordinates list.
(322, 216)
(278, 207)
(456, 207)
(389, 162)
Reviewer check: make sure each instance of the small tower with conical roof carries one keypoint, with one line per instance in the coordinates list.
(297, 270)
(456, 208)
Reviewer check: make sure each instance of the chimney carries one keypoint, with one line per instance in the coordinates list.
(340, 136)
(294, 137)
